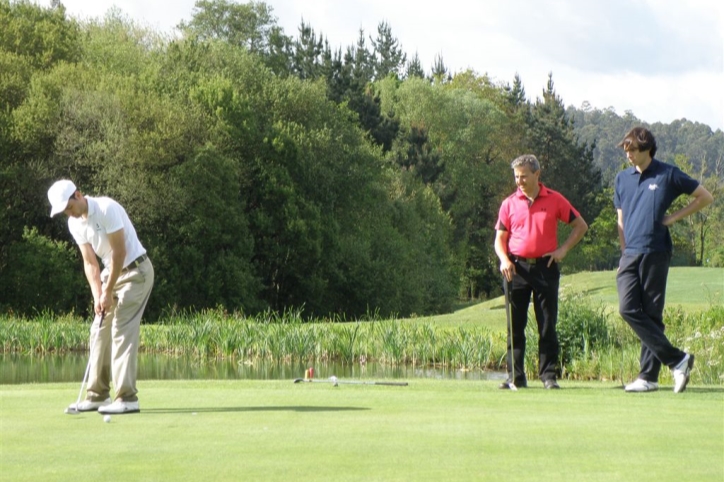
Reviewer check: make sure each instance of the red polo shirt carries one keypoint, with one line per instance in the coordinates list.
(533, 229)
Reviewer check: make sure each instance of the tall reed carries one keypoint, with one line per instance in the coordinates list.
(596, 344)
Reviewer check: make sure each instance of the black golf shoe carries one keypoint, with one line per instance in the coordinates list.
(506, 385)
(551, 384)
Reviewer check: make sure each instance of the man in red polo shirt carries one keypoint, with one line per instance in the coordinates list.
(526, 242)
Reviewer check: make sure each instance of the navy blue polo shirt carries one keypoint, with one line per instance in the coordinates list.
(644, 199)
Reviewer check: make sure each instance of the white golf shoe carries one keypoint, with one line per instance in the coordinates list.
(88, 406)
(682, 371)
(640, 385)
(120, 407)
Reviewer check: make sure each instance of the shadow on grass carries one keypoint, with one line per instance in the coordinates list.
(670, 388)
(704, 390)
(593, 291)
(291, 408)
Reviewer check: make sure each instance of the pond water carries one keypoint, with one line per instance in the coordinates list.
(16, 369)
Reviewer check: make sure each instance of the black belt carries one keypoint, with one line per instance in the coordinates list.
(515, 257)
(135, 263)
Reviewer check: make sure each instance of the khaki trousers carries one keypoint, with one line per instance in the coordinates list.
(115, 353)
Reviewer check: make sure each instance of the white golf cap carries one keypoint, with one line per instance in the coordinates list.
(58, 195)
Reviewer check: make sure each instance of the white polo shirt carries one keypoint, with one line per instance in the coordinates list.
(105, 216)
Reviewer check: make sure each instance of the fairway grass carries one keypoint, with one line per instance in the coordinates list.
(687, 287)
(430, 430)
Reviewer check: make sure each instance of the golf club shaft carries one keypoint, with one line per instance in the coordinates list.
(391, 384)
(349, 382)
(94, 340)
(506, 294)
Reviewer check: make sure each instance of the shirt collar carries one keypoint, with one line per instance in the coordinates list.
(91, 206)
(653, 167)
(542, 192)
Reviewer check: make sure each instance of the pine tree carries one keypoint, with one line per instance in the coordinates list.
(516, 94)
(566, 165)
(414, 68)
(388, 55)
(440, 73)
(415, 154)
(308, 50)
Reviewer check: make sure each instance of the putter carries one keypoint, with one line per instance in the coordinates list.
(74, 411)
(506, 293)
(334, 381)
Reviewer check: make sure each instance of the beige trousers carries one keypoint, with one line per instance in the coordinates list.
(114, 354)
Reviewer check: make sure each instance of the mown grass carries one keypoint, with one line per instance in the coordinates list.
(596, 344)
(431, 430)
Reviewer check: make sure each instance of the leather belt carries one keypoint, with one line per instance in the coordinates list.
(135, 263)
(515, 257)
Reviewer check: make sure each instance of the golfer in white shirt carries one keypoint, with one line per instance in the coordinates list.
(101, 228)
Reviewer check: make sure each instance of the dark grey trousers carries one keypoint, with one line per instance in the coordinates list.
(641, 283)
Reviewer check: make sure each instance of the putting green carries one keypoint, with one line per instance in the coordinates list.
(430, 430)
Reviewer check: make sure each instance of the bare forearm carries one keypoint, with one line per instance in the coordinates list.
(93, 275)
(621, 239)
(579, 230)
(114, 270)
(501, 248)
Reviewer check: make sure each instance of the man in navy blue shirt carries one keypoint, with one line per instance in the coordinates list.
(643, 193)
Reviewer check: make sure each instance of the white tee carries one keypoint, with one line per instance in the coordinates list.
(105, 216)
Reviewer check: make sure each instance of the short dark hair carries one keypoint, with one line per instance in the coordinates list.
(643, 138)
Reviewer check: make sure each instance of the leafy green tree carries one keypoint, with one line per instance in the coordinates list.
(250, 25)
(600, 248)
(44, 36)
(26, 285)
(32, 39)
(460, 126)
(692, 236)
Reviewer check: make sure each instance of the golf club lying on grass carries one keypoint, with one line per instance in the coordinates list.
(74, 411)
(335, 382)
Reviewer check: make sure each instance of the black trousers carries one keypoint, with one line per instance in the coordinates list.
(542, 282)
(641, 283)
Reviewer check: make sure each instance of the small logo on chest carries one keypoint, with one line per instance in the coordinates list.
(653, 187)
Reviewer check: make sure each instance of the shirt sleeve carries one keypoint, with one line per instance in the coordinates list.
(112, 218)
(616, 193)
(566, 212)
(683, 183)
(503, 222)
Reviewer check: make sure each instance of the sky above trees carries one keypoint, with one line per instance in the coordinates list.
(660, 59)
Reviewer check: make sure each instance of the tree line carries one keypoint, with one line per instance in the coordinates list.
(264, 171)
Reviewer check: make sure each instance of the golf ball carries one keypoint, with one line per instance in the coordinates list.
(107, 419)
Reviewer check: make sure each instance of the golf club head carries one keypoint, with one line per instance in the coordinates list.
(71, 411)
(513, 387)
